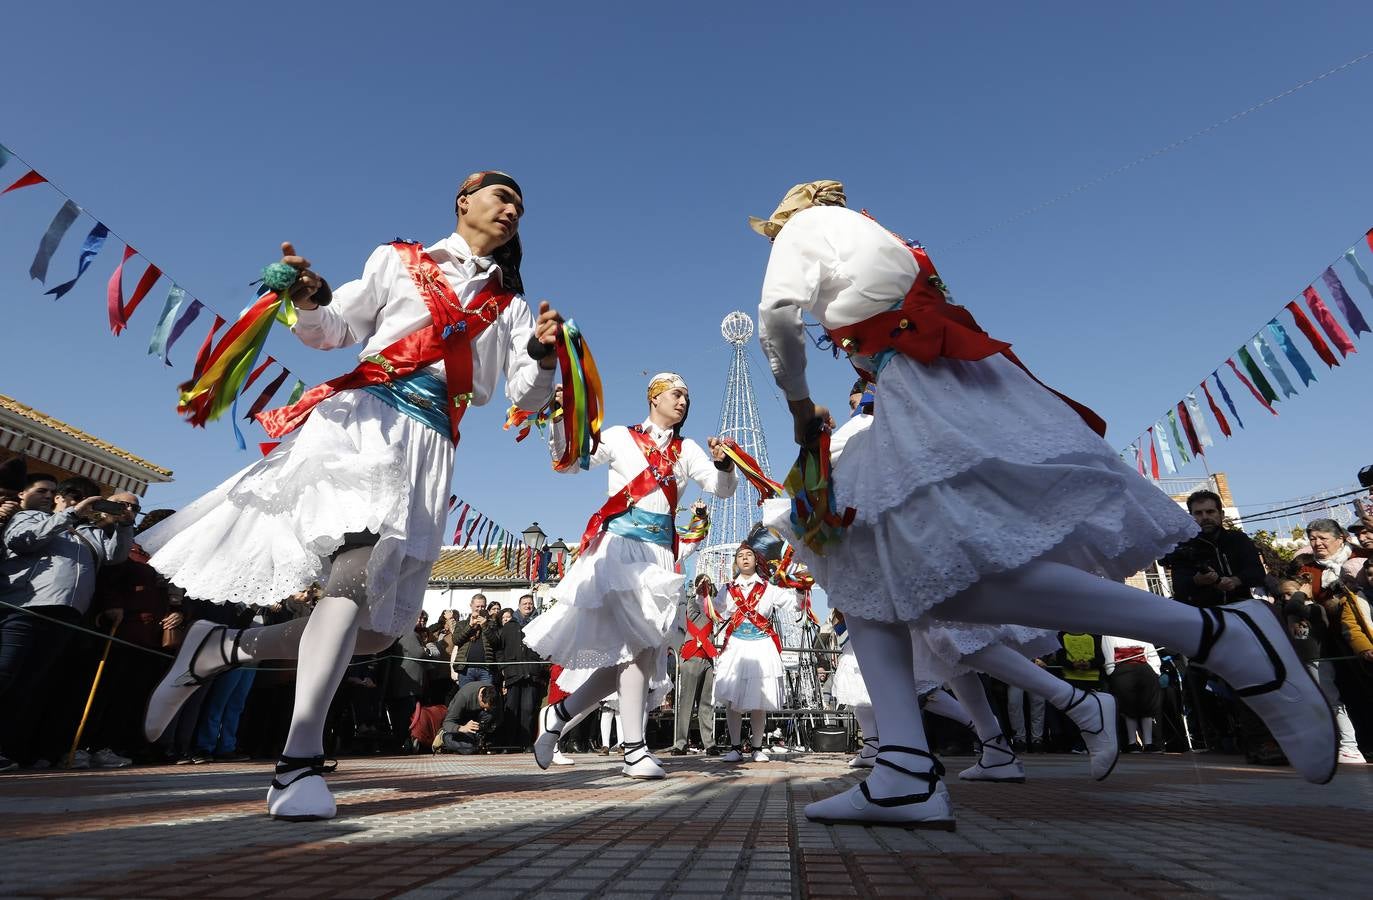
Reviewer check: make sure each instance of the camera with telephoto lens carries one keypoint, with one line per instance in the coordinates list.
(1366, 477)
(110, 507)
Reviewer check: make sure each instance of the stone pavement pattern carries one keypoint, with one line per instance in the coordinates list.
(496, 827)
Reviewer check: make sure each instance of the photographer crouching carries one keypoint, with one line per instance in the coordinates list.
(56, 542)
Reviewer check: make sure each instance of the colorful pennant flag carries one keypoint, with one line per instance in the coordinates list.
(1198, 420)
(1352, 314)
(57, 229)
(1252, 368)
(1225, 395)
(1263, 400)
(1328, 321)
(1270, 362)
(157, 345)
(1165, 452)
(1317, 342)
(1179, 445)
(90, 247)
(24, 181)
(1291, 352)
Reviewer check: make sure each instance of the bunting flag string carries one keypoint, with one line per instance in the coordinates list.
(222, 373)
(1258, 366)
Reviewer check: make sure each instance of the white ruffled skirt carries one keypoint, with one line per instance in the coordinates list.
(356, 465)
(971, 469)
(616, 601)
(849, 687)
(748, 675)
(658, 687)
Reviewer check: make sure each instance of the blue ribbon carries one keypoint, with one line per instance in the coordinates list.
(182, 323)
(1290, 350)
(5, 156)
(1342, 299)
(1271, 362)
(163, 330)
(649, 527)
(1228, 402)
(1359, 273)
(89, 248)
(57, 229)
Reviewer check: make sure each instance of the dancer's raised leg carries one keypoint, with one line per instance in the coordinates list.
(1243, 643)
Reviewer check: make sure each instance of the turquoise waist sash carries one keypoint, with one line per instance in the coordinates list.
(747, 631)
(420, 395)
(650, 527)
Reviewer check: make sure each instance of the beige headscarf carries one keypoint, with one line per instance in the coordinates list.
(663, 382)
(803, 196)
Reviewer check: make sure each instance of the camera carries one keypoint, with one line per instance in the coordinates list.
(110, 507)
(1366, 477)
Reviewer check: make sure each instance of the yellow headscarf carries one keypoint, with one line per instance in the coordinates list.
(803, 196)
(663, 382)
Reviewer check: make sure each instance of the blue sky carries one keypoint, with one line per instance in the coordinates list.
(645, 134)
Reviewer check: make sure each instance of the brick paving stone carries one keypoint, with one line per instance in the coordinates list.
(429, 827)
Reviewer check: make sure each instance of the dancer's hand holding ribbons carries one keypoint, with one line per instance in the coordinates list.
(292, 277)
(543, 344)
(220, 375)
(581, 395)
(811, 486)
(750, 468)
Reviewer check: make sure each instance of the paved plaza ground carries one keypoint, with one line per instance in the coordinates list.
(496, 827)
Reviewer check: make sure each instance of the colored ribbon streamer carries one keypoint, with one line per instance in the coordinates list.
(1328, 321)
(24, 181)
(90, 247)
(462, 517)
(1153, 456)
(1317, 342)
(114, 292)
(1290, 350)
(1165, 451)
(1178, 441)
(157, 345)
(1198, 420)
(752, 471)
(5, 156)
(57, 229)
(1352, 313)
(1225, 395)
(1256, 375)
(1215, 410)
(810, 484)
(1263, 401)
(206, 397)
(296, 392)
(1139, 458)
(583, 399)
(1189, 429)
(1270, 362)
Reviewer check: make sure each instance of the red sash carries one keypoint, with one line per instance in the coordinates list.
(698, 642)
(657, 475)
(746, 610)
(927, 326)
(449, 337)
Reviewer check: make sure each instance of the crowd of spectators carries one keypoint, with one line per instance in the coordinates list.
(74, 575)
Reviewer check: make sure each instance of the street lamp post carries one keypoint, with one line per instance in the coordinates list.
(534, 539)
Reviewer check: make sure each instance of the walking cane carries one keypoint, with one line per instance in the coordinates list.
(90, 700)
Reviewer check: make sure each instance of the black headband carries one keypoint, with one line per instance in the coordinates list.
(488, 179)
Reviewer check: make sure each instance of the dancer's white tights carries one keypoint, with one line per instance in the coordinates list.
(1055, 596)
(867, 723)
(972, 694)
(1142, 727)
(631, 680)
(758, 721)
(1011, 666)
(608, 718)
(885, 659)
(322, 644)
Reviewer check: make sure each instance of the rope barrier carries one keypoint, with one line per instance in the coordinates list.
(104, 636)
